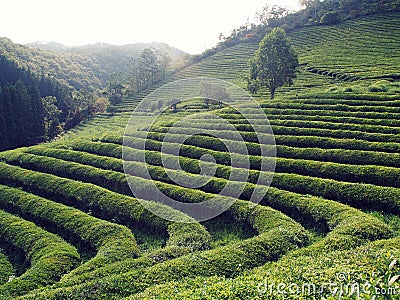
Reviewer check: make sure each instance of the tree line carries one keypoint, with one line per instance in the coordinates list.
(36, 108)
(147, 69)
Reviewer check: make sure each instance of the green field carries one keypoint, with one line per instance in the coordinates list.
(71, 229)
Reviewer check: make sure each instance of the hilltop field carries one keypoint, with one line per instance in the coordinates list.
(327, 227)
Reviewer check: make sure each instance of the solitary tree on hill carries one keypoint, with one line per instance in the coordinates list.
(274, 63)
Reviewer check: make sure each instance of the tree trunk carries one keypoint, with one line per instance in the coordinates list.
(272, 94)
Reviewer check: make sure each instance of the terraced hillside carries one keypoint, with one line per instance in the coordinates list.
(71, 229)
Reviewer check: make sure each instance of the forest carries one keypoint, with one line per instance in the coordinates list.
(83, 81)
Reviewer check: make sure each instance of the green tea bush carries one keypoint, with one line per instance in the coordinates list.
(278, 234)
(140, 263)
(357, 195)
(343, 269)
(381, 86)
(50, 256)
(329, 107)
(332, 119)
(104, 203)
(280, 139)
(111, 241)
(6, 268)
(313, 130)
(333, 155)
(378, 175)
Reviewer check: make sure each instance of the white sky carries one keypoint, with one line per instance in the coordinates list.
(189, 25)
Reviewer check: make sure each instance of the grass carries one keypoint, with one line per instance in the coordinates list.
(333, 206)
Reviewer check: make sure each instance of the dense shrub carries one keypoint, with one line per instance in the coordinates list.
(349, 229)
(299, 269)
(50, 256)
(357, 195)
(104, 203)
(140, 263)
(6, 268)
(378, 175)
(278, 234)
(333, 155)
(331, 18)
(111, 241)
(299, 128)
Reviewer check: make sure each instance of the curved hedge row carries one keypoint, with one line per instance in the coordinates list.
(296, 141)
(349, 228)
(262, 283)
(368, 149)
(336, 126)
(50, 256)
(377, 175)
(334, 143)
(278, 235)
(298, 131)
(357, 100)
(358, 195)
(139, 264)
(6, 268)
(109, 205)
(283, 142)
(232, 114)
(346, 96)
(244, 125)
(262, 219)
(333, 119)
(335, 107)
(356, 157)
(111, 241)
(86, 158)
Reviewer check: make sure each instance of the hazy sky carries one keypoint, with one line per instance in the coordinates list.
(189, 25)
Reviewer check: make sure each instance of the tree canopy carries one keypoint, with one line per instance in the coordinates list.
(274, 63)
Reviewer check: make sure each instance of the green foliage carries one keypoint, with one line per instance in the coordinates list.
(341, 270)
(100, 201)
(149, 68)
(21, 112)
(358, 195)
(384, 280)
(49, 255)
(331, 18)
(51, 113)
(112, 242)
(6, 268)
(115, 92)
(341, 145)
(383, 86)
(277, 235)
(274, 63)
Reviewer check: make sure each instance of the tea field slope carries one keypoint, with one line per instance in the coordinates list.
(70, 227)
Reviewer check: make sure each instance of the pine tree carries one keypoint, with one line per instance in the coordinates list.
(4, 144)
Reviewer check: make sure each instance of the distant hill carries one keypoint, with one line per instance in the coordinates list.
(86, 67)
(114, 59)
(52, 46)
(76, 76)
